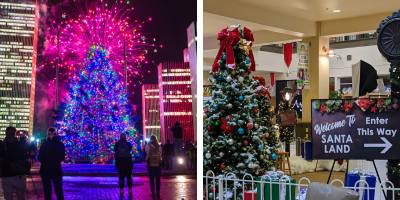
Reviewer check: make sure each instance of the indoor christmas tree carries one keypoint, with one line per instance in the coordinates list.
(238, 134)
(286, 133)
(96, 110)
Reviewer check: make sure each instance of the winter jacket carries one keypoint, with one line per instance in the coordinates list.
(153, 155)
(51, 154)
(12, 152)
(123, 162)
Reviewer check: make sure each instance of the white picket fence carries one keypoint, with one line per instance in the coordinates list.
(220, 184)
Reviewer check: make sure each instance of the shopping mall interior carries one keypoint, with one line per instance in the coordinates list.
(336, 35)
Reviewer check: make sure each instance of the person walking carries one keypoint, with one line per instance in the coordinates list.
(124, 163)
(153, 159)
(178, 135)
(15, 166)
(51, 154)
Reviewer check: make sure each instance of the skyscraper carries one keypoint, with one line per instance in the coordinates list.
(192, 59)
(18, 43)
(150, 110)
(175, 99)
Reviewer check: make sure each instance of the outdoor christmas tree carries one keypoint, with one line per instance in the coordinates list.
(96, 111)
(238, 134)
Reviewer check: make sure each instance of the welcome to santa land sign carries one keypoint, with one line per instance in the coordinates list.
(355, 129)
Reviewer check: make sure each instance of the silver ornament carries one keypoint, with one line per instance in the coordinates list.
(208, 155)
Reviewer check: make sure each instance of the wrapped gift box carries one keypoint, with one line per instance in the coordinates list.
(355, 175)
(275, 188)
(250, 195)
(306, 150)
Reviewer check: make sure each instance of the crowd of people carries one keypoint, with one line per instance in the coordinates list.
(18, 154)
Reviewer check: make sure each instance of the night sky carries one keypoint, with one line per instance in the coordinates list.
(170, 20)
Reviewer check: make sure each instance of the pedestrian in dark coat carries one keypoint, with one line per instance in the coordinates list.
(124, 163)
(15, 166)
(178, 137)
(51, 154)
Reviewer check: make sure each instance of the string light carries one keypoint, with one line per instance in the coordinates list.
(96, 111)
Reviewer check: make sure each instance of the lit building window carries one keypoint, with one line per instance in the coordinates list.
(18, 36)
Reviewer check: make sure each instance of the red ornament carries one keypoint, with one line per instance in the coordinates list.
(263, 91)
(260, 79)
(250, 125)
(347, 107)
(209, 128)
(380, 103)
(225, 127)
(245, 142)
(323, 108)
(222, 166)
(364, 104)
(374, 109)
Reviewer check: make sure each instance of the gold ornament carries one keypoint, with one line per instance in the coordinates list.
(245, 45)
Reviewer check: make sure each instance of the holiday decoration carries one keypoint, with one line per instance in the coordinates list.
(272, 78)
(230, 39)
(286, 133)
(287, 54)
(366, 105)
(248, 111)
(388, 44)
(355, 176)
(275, 185)
(112, 26)
(96, 111)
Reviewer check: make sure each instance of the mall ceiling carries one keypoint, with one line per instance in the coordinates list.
(288, 20)
(319, 10)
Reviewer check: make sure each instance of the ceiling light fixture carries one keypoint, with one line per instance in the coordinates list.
(336, 11)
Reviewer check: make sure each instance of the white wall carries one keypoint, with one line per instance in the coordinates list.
(340, 67)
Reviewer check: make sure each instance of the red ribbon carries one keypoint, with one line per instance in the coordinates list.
(248, 35)
(227, 40)
(260, 79)
(287, 53)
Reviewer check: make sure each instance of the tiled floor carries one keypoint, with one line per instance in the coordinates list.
(106, 188)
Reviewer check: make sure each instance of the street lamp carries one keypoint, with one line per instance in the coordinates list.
(180, 160)
(287, 96)
(287, 93)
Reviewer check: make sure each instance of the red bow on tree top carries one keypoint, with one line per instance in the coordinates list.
(229, 38)
(248, 35)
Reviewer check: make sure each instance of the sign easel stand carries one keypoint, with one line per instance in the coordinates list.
(379, 178)
(347, 171)
(333, 165)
